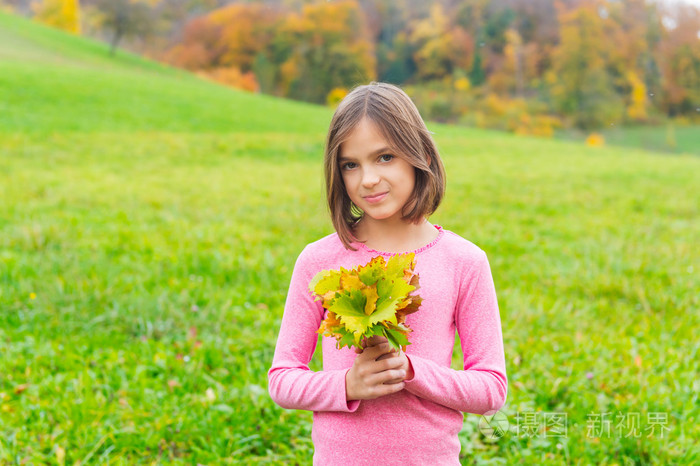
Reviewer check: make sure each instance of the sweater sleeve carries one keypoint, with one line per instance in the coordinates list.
(482, 386)
(290, 382)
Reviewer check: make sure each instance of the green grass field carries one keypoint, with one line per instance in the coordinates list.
(669, 138)
(149, 224)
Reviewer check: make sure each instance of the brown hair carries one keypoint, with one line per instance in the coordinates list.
(400, 123)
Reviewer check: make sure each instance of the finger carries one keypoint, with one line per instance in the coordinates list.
(395, 375)
(393, 353)
(394, 381)
(376, 340)
(388, 389)
(389, 364)
(374, 352)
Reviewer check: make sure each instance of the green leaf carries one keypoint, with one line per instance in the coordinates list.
(375, 330)
(373, 271)
(394, 344)
(348, 339)
(325, 281)
(397, 265)
(400, 339)
(391, 293)
(365, 301)
(349, 308)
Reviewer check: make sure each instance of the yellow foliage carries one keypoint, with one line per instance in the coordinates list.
(433, 42)
(513, 37)
(638, 97)
(61, 14)
(544, 126)
(595, 140)
(514, 115)
(288, 71)
(432, 27)
(550, 77)
(335, 96)
(462, 84)
(496, 105)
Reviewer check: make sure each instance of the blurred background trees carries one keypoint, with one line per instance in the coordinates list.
(529, 66)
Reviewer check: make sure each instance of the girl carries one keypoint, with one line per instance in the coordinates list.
(384, 176)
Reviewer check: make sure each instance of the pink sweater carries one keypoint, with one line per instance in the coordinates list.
(419, 424)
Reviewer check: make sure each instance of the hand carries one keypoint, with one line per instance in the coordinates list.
(405, 363)
(371, 377)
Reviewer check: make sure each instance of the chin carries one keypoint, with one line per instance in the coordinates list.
(385, 216)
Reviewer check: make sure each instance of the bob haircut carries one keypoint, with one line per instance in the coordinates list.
(398, 120)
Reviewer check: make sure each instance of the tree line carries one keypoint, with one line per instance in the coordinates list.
(524, 65)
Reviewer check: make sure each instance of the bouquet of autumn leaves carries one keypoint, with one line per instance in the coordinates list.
(368, 300)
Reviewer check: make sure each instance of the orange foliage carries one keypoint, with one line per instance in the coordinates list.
(679, 56)
(595, 140)
(246, 29)
(228, 37)
(201, 47)
(232, 76)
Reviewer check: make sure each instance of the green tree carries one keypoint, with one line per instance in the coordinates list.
(125, 18)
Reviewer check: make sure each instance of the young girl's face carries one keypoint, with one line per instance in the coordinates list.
(369, 168)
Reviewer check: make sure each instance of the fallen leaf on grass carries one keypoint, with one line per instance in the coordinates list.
(20, 388)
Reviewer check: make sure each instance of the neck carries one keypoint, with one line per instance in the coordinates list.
(385, 234)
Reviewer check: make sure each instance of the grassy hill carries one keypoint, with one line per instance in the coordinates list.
(149, 224)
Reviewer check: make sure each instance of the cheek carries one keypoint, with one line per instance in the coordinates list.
(408, 179)
(349, 183)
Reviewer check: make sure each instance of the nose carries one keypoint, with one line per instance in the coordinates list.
(369, 178)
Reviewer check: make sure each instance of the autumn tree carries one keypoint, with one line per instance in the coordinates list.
(201, 46)
(580, 84)
(231, 36)
(125, 18)
(469, 17)
(679, 57)
(388, 25)
(440, 46)
(627, 28)
(323, 47)
(233, 45)
(62, 14)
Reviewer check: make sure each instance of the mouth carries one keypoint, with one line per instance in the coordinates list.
(375, 197)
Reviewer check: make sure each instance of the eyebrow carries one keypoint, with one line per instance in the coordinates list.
(376, 152)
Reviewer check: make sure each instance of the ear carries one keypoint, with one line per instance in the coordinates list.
(430, 159)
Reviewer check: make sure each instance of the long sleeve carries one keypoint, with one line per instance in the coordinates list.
(482, 386)
(291, 384)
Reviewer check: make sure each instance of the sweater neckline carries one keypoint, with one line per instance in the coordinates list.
(441, 233)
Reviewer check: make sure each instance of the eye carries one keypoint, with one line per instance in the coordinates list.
(346, 166)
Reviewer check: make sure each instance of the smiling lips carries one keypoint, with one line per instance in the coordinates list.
(375, 198)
